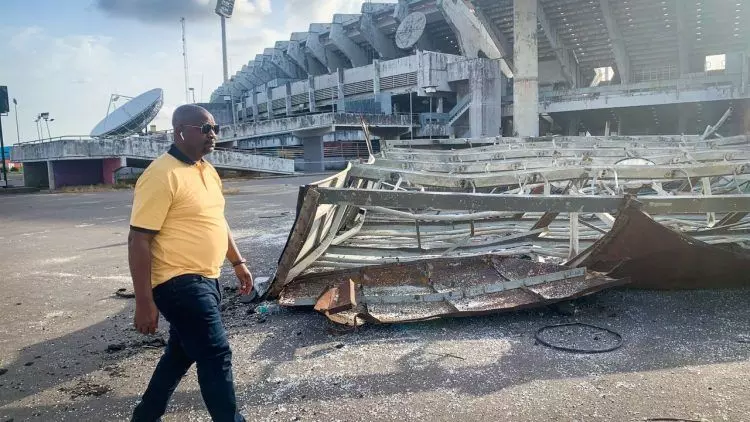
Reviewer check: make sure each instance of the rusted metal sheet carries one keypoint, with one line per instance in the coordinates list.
(656, 257)
(440, 287)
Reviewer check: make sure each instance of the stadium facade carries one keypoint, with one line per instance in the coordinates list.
(436, 69)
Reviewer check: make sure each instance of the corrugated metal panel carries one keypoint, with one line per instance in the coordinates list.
(361, 87)
(280, 103)
(397, 81)
(325, 94)
(299, 99)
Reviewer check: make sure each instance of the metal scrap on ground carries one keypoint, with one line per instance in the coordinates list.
(421, 232)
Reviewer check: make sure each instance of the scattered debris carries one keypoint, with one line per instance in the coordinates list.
(115, 371)
(268, 308)
(125, 293)
(150, 343)
(116, 347)
(578, 337)
(447, 355)
(86, 389)
(283, 214)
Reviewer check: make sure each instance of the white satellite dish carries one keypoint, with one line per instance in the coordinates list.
(132, 117)
(411, 30)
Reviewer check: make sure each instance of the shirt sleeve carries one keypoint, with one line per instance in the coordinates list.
(152, 200)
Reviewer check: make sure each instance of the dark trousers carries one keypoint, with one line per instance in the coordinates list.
(196, 335)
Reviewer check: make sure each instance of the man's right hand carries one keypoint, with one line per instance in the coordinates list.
(146, 317)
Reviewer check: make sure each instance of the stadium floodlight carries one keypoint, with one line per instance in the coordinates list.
(224, 8)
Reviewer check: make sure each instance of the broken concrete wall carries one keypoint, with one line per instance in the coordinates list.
(145, 148)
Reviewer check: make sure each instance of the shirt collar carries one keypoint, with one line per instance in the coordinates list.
(176, 153)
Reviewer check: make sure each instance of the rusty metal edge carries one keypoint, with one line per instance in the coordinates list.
(297, 236)
(361, 312)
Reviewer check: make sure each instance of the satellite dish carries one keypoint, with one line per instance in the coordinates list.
(132, 117)
(410, 30)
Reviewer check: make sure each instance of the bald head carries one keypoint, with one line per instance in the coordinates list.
(195, 130)
(189, 114)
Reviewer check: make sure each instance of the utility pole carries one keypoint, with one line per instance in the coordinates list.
(185, 59)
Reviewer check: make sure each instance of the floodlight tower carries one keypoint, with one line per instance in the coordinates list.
(224, 8)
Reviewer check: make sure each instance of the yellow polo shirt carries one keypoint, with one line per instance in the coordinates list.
(182, 203)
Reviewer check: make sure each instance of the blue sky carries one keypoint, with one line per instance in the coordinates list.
(67, 57)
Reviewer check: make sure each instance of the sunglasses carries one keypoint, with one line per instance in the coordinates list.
(207, 128)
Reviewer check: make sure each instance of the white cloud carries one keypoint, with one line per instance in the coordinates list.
(72, 76)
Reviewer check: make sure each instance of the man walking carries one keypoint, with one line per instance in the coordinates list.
(178, 240)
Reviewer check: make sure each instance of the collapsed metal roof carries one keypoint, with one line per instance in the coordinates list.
(418, 232)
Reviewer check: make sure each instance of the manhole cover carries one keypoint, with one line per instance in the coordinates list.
(579, 338)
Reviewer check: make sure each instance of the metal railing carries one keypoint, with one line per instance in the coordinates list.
(690, 82)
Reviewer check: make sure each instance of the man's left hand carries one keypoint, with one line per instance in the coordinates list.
(245, 278)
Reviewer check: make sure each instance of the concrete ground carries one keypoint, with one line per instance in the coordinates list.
(68, 351)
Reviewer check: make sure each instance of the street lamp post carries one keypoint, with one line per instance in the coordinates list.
(38, 130)
(46, 121)
(18, 131)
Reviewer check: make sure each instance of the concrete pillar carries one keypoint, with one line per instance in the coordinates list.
(311, 93)
(376, 77)
(35, 174)
(51, 175)
(255, 105)
(573, 124)
(485, 85)
(683, 119)
(341, 107)
(288, 99)
(526, 76)
(269, 103)
(313, 154)
(622, 124)
(109, 166)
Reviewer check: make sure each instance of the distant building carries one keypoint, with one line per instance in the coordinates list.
(10, 164)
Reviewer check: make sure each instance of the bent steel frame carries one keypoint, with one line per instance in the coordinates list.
(546, 199)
